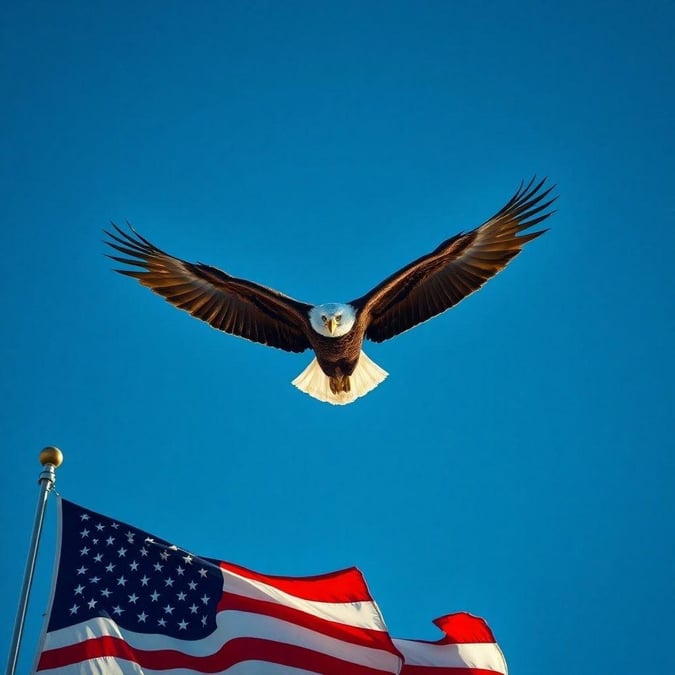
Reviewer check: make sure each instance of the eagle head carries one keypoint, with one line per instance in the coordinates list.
(332, 319)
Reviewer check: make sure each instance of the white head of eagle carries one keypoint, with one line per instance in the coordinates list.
(332, 319)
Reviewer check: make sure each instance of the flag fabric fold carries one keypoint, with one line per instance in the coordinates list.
(126, 602)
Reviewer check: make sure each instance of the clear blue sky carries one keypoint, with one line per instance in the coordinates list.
(518, 462)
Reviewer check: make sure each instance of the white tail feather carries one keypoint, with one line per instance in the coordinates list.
(366, 376)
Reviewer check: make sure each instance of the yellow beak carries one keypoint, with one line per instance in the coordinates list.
(331, 324)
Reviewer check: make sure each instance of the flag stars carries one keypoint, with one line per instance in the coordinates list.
(114, 526)
(161, 622)
(84, 551)
(84, 533)
(193, 608)
(117, 610)
(81, 570)
(133, 566)
(168, 609)
(188, 559)
(204, 620)
(182, 625)
(168, 582)
(158, 567)
(106, 593)
(145, 579)
(121, 552)
(144, 552)
(110, 567)
(181, 596)
(98, 557)
(121, 581)
(79, 589)
(92, 603)
(84, 516)
(202, 573)
(110, 541)
(154, 596)
(164, 555)
(73, 609)
(180, 570)
(94, 580)
(205, 599)
(133, 598)
(192, 585)
(142, 617)
(130, 537)
(100, 527)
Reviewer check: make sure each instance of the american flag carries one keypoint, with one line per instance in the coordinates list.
(125, 602)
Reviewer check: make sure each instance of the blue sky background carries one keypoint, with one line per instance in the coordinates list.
(518, 462)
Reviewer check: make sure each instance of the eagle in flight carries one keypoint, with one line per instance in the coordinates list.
(340, 372)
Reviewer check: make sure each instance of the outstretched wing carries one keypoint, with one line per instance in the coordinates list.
(235, 306)
(458, 267)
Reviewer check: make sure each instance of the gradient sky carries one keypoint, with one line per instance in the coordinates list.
(517, 463)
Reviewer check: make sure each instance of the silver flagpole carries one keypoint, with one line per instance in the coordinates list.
(51, 459)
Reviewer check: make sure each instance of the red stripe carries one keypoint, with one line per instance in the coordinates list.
(370, 637)
(446, 670)
(235, 651)
(343, 586)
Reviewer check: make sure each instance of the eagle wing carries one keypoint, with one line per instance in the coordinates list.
(458, 267)
(235, 306)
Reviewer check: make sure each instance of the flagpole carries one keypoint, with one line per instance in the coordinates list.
(50, 458)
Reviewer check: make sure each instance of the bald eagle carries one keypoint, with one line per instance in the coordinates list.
(340, 372)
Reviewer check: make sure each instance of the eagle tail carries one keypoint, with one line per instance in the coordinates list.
(366, 376)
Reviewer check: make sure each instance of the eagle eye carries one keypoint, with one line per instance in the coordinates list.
(323, 318)
(339, 318)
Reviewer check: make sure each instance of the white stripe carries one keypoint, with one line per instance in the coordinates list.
(231, 625)
(360, 614)
(485, 655)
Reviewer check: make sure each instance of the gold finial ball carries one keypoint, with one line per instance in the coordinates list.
(51, 455)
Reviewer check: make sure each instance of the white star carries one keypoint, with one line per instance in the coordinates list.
(205, 599)
(180, 570)
(144, 580)
(168, 609)
(98, 557)
(84, 551)
(92, 603)
(73, 609)
(155, 596)
(188, 559)
(117, 610)
(158, 567)
(94, 541)
(192, 585)
(100, 527)
(204, 621)
(193, 608)
(133, 598)
(110, 567)
(182, 625)
(105, 593)
(163, 555)
(168, 581)
(110, 541)
(150, 540)
(142, 617)
(181, 596)
(84, 533)
(121, 581)
(94, 580)
(114, 525)
(121, 552)
(79, 589)
(161, 622)
(130, 537)
(144, 552)
(81, 570)
(84, 516)
(133, 566)
(202, 573)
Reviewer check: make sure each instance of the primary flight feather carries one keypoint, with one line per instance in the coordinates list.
(341, 372)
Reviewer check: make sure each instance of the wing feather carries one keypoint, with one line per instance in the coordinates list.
(455, 269)
(233, 305)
